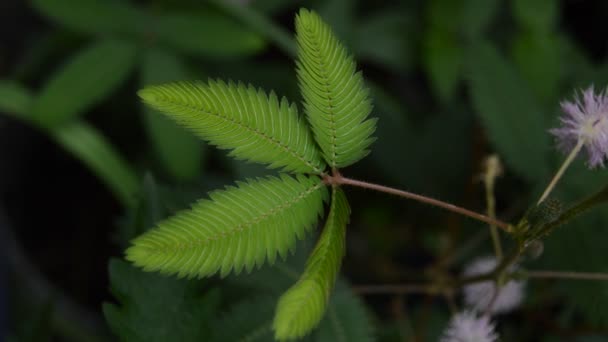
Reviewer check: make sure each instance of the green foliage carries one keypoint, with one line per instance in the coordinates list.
(92, 16)
(81, 140)
(156, 308)
(240, 227)
(84, 81)
(510, 114)
(336, 102)
(14, 98)
(179, 151)
(205, 34)
(199, 33)
(256, 126)
(301, 308)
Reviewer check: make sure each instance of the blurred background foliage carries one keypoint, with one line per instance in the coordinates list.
(85, 167)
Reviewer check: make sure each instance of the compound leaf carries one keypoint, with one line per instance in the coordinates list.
(301, 308)
(84, 81)
(239, 227)
(255, 125)
(336, 101)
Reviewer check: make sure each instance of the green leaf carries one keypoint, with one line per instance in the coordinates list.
(206, 34)
(346, 320)
(336, 101)
(14, 98)
(156, 308)
(301, 308)
(92, 16)
(87, 79)
(179, 150)
(239, 227)
(256, 126)
(92, 148)
(514, 122)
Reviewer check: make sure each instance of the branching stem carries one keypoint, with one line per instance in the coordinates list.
(338, 179)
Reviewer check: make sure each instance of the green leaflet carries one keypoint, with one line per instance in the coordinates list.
(256, 126)
(84, 81)
(301, 308)
(240, 227)
(179, 151)
(336, 101)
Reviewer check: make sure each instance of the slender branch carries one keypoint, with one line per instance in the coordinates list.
(340, 180)
(567, 275)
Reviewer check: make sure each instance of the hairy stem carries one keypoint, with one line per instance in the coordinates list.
(338, 179)
(561, 170)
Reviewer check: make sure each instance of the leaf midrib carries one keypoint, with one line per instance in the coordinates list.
(240, 227)
(252, 130)
(315, 45)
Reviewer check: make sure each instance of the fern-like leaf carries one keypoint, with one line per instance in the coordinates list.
(301, 308)
(336, 101)
(240, 227)
(258, 127)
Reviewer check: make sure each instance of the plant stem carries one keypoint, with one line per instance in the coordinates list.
(492, 171)
(561, 170)
(567, 275)
(338, 179)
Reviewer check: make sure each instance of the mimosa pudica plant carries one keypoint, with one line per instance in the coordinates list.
(245, 226)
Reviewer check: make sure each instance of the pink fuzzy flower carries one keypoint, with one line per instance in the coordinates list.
(585, 121)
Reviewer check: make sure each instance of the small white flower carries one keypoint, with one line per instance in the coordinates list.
(467, 326)
(479, 295)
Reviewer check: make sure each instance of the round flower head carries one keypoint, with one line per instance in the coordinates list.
(585, 121)
(467, 326)
(480, 295)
